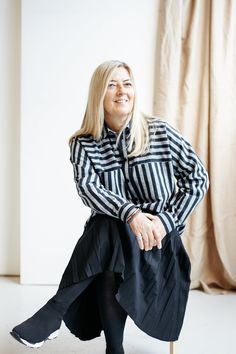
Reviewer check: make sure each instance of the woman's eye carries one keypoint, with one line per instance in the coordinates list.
(126, 84)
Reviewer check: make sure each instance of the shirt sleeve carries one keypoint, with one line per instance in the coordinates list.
(90, 188)
(191, 180)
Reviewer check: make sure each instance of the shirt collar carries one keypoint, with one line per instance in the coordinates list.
(106, 130)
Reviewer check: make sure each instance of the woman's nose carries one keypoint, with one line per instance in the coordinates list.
(120, 89)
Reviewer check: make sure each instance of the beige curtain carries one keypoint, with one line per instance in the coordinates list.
(196, 92)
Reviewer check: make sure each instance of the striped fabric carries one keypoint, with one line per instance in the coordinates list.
(169, 180)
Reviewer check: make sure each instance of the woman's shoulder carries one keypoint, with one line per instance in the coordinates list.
(82, 140)
(156, 121)
(79, 144)
(161, 125)
(157, 124)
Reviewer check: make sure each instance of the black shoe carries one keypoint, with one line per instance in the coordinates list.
(16, 336)
(43, 325)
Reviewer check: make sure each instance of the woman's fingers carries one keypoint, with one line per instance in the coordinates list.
(145, 241)
(152, 239)
(159, 231)
(158, 239)
(148, 241)
(139, 239)
(146, 228)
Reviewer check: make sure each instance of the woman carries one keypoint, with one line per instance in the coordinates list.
(130, 259)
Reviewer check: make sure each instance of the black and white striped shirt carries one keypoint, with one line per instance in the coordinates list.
(169, 180)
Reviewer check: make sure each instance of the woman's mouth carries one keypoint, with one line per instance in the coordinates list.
(121, 100)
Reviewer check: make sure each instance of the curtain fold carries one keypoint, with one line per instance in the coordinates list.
(195, 90)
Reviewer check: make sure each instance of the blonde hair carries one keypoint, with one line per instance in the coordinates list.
(93, 120)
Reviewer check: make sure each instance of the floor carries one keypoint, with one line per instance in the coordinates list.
(209, 325)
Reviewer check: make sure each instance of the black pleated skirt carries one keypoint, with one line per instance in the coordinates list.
(153, 286)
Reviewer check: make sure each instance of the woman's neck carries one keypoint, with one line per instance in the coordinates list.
(115, 124)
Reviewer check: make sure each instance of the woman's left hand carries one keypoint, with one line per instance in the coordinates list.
(160, 229)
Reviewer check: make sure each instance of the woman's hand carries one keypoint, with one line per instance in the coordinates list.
(160, 229)
(148, 229)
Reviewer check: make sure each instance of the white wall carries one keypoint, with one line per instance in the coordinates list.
(9, 136)
(62, 43)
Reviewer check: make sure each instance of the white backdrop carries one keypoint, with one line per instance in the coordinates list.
(63, 41)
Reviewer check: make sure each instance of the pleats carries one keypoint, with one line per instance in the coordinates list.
(153, 285)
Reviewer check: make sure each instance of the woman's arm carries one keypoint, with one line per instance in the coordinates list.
(192, 182)
(90, 189)
(95, 196)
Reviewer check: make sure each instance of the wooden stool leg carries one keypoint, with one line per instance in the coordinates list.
(173, 349)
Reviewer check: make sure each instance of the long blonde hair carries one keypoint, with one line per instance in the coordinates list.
(93, 120)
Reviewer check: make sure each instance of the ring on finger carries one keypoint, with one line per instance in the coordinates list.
(139, 237)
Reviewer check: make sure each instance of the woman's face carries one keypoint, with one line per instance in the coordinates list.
(119, 99)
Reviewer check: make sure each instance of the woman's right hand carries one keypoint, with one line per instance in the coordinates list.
(145, 231)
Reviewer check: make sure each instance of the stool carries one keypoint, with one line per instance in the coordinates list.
(173, 349)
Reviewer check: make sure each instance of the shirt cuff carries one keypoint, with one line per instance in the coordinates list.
(125, 211)
(167, 220)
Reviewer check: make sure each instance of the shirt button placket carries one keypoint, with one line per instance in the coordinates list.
(126, 161)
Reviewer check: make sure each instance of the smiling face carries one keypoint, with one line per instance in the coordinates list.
(119, 99)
